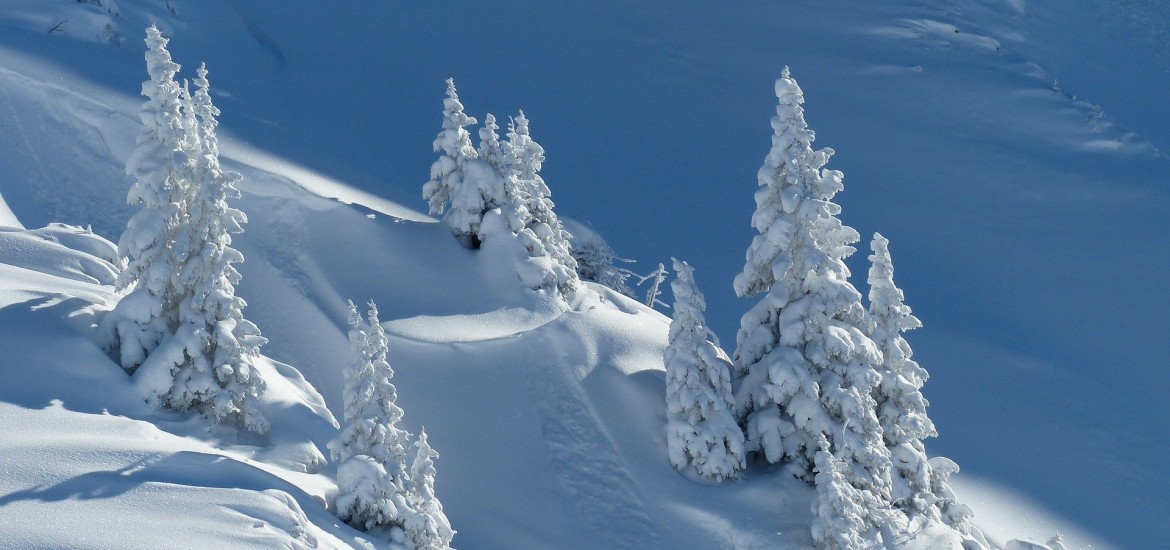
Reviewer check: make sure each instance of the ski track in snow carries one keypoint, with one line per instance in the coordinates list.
(583, 456)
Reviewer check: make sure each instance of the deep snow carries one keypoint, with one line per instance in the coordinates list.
(1010, 151)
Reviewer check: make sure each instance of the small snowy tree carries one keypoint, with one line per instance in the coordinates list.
(701, 431)
(161, 166)
(429, 528)
(372, 496)
(954, 513)
(805, 361)
(595, 262)
(490, 148)
(901, 406)
(656, 278)
(448, 183)
(840, 516)
(214, 373)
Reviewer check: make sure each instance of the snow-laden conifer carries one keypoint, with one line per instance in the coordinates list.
(953, 513)
(428, 528)
(530, 210)
(901, 406)
(595, 262)
(840, 515)
(701, 433)
(448, 183)
(806, 363)
(161, 164)
(215, 373)
(490, 148)
(374, 496)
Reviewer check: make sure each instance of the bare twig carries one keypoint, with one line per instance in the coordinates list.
(57, 27)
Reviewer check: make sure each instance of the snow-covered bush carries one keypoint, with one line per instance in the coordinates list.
(953, 513)
(595, 263)
(701, 433)
(806, 364)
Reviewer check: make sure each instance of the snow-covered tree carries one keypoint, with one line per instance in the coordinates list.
(428, 528)
(807, 366)
(701, 433)
(531, 214)
(215, 372)
(840, 515)
(448, 183)
(953, 513)
(656, 278)
(370, 442)
(490, 148)
(595, 262)
(161, 165)
(901, 406)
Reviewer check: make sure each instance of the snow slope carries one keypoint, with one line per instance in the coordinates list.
(1010, 150)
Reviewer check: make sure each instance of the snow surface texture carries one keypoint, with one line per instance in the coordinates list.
(1009, 150)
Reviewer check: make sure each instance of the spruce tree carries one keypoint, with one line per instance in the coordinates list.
(701, 433)
(429, 528)
(840, 515)
(531, 214)
(490, 148)
(901, 406)
(371, 448)
(449, 179)
(215, 374)
(806, 364)
(161, 165)
(595, 263)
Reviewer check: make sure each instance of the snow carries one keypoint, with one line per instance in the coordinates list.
(1016, 164)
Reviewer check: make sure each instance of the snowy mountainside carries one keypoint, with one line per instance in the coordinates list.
(1010, 174)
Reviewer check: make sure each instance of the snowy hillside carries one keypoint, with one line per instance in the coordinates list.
(1012, 151)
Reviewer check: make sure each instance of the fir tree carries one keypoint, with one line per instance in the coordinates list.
(701, 432)
(531, 214)
(595, 262)
(161, 165)
(216, 373)
(429, 528)
(490, 148)
(448, 173)
(806, 364)
(901, 407)
(371, 447)
(840, 515)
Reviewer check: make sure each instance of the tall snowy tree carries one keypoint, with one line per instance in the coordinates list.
(453, 181)
(806, 363)
(215, 373)
(701, 433)
(371, 448)
(429, 528)
(901, 406)
(161, 166)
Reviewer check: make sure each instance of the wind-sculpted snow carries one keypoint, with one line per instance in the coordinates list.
(1012, 150)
